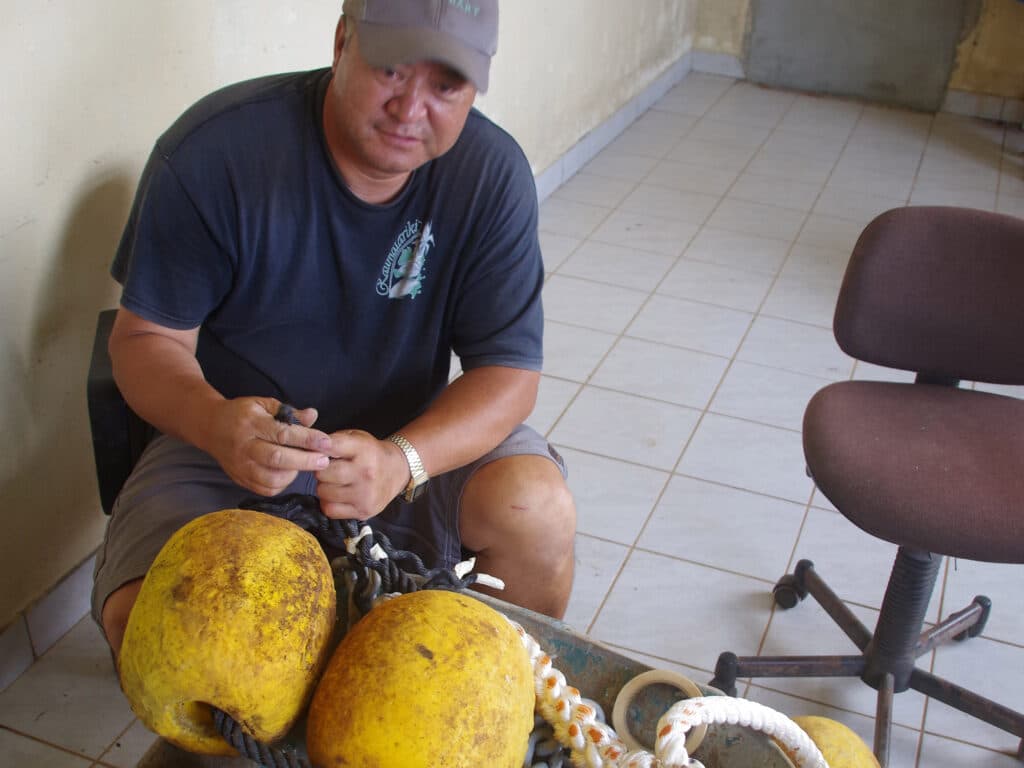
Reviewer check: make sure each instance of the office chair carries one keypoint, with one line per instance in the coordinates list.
(929, 466)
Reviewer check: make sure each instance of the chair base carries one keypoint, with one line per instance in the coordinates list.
(887, 658)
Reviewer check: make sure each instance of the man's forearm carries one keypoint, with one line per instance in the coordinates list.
(474, 414)
(161, 380)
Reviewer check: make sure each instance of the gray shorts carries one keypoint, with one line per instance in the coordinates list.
(175, 482)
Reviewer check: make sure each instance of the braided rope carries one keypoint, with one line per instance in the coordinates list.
(594, 744)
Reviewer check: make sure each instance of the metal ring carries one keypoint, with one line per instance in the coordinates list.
(653, 677)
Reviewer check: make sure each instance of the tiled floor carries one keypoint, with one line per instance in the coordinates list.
(693, 267)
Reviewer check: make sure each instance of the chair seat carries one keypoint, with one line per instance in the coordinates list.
(929, 467)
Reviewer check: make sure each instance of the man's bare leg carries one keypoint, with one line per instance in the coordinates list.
(519, 517)
(115, 613)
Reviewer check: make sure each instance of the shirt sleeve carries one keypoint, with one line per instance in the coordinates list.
(500, 320)
(173, 267)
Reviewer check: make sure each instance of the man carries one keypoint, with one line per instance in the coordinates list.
(327, 239)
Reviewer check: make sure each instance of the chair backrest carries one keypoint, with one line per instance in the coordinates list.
(937, 290)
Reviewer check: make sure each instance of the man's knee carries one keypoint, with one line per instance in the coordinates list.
(519, 497)
(116, 610)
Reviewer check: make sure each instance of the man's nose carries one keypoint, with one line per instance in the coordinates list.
(409, 102)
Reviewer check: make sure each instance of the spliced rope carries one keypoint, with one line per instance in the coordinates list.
(594, 744)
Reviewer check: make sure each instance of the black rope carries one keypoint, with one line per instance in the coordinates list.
(247, 746)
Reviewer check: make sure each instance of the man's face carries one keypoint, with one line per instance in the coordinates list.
(386, 122)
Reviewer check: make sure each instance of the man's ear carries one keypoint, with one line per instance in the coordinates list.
(339, 40)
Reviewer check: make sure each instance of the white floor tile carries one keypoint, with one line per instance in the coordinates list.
(21, 751)
(754, 457)
(690, 177)
(738, 250)
(553, 398)
(566, 217)
(619, 165)
(556, 249)
(855, 564)
(767, 395)
(70, 697)
(682, 612)
(679, 376)
(1001, 583)
(730, 133)
(791, 165)
(939, 752)
(994, 670)
(617, 265)
(646, 233)
(795, 347)
(646, 141)
(803, 299)
(129, 747)
(757, 219)
(722, 156)
(756, 541)
(725, 286)
(772, 190)
(626, 427)
(588, 304)
(682, 323)
(613, 498)
(573, 353)
(679, 205)
(594, 190)
(597, 564)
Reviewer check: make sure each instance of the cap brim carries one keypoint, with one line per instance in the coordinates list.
(390, 46)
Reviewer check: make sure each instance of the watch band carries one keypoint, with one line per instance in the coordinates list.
(418, 476)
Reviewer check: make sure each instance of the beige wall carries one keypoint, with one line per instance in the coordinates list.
(990, 59)
(87, 87)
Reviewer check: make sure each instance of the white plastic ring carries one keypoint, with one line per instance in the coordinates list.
(620, 721)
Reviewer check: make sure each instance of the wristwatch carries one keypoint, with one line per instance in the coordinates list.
(419, 477)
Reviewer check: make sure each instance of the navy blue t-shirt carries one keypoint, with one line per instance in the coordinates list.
(243, 226)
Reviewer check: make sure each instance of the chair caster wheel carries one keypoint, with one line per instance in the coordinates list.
(788, 591)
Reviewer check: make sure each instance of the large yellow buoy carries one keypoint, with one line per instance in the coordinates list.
(429, 679)
(840, 745)
(237, 613)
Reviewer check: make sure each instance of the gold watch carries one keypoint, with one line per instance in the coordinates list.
(418, 475)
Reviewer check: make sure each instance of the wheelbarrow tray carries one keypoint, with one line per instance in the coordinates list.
(597, 671)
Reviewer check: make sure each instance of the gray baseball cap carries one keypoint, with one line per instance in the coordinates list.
(461, 33)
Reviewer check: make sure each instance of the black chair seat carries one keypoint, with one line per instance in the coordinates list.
(936, 468)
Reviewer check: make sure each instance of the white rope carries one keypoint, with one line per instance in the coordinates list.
(594, 744)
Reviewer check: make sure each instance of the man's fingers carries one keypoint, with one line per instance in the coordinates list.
(307, 416)
(275, 457)
(298, 436)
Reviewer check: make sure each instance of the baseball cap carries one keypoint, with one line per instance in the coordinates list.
(461, 33)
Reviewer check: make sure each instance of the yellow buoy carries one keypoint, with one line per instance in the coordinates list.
(840, 746)
(427, 679)
(236, 612)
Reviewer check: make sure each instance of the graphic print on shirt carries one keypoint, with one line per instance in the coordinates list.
(405, 268)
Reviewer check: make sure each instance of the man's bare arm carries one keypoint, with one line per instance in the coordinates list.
(156, 369)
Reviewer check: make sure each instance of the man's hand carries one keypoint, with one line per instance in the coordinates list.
(259, 452)
(365, 474)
